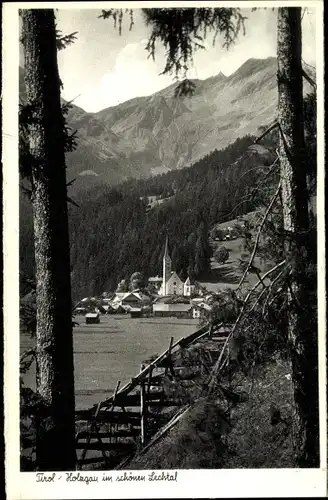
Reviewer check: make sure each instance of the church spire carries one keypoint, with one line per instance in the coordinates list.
(167, 265)
(166, 249)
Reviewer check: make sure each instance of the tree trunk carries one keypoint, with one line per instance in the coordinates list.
(301, 324)
(54, 342)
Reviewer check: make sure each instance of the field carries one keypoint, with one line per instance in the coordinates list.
(113, 350)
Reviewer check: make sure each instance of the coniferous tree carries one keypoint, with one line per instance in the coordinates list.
(302, 325)
(46, 156)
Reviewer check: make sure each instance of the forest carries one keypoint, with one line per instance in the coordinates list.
(112, 234)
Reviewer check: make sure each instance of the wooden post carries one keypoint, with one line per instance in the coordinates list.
(116, 390)
(115, 426)
(93, 428)
(150, 376)
(143, 411)
(169, 358)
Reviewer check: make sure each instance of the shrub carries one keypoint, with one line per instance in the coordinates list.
(195, 443)
(221, 255)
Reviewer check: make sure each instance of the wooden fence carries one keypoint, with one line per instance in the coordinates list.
(137, 414)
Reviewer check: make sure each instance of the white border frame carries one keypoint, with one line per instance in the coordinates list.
(190, 483)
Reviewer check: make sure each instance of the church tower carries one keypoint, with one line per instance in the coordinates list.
(167, 266)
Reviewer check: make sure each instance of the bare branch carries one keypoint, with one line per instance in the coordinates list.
(266, 289)
(309, 79)
(258, 235)
(218, 367)
(266, 132)
(270, 290)
(71, 182)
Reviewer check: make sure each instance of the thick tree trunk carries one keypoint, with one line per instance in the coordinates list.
(54, 344)
(301, 323)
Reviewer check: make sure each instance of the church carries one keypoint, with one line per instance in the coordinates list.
(171, 283)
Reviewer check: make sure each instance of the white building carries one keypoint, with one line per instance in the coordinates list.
(189, 287)
(201, 310)
(169, 309)
(171, 282)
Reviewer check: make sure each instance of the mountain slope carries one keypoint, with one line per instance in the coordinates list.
(159, 133)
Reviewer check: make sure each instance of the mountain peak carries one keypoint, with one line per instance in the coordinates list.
(253, 65)
(158, 133)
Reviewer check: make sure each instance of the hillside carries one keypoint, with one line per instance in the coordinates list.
(114, 234)
(158, 133)
(228, 274)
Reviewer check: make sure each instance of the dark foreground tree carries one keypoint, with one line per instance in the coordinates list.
(295, 199)
(46, 142)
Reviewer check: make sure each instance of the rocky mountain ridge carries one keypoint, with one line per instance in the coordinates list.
(158, 133)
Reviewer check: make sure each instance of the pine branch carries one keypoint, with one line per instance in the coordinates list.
(182, 31)
(117, 16)
(250, 263)
(63, 41)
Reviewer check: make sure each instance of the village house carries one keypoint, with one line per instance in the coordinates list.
(152, 200)
(92, 318)
(117, 299)
(201, 310)
(120, 309)
(135, 312)
(109, 309)
(178, 310)
(190, 287)
(130, 300)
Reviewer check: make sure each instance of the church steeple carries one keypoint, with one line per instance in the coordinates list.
(166, 248)
(167, 265)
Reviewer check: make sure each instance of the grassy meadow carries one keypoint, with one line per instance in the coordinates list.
(114, 350)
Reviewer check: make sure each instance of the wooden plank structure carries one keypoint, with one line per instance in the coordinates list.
(139, 413)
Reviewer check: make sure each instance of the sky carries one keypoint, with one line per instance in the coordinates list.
(103, 69)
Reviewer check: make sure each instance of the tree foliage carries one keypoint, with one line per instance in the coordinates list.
(182, 32)
(221, 255)
(137, 281)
